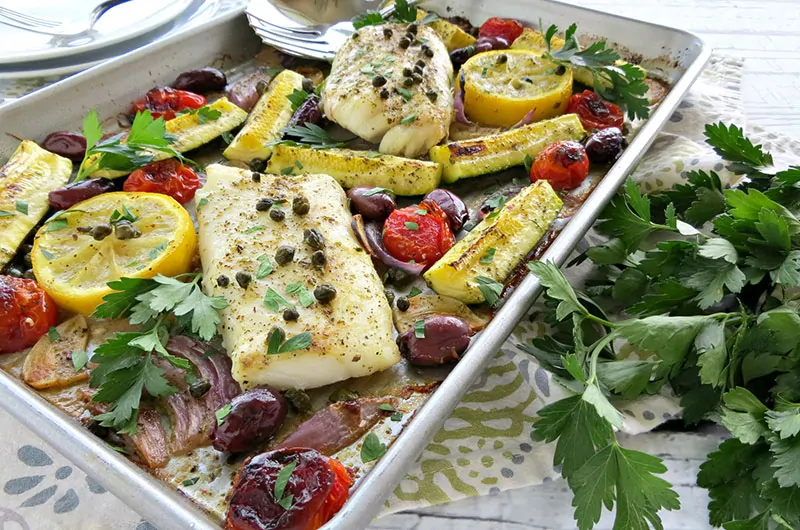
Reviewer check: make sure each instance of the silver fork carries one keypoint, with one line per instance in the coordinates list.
(316, 41)
(46, 26)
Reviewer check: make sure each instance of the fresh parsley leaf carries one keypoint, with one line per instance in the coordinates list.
(297, 98)
(306, 298)
(53, 334)
(490, 289)
(57, 224)
(46, 254)
(387, 407)
(274, 301)
(419, 329)
(627, 377)
(255, 228)
(313, 135)
(527, 162)
(404, 12)
(370, 18)
(6, 213)
(265, 267)
(375, 191)
(372, 448)
(712, 353)
(190, 481)
(731, 144)
(670, 338)
(281, 481)
(202, 203)
(413, 292)
(496, 203)
(22, 207)
(204, 114)
(404, 92)
(397, 416)
(411, 226)
(411, 118)
(298, 342)
(558, 288)
(79, 359)
(488, 256)
(628, 217)
(223, 413)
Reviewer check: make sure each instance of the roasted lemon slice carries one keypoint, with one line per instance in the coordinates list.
(503, 86)
(135, 235)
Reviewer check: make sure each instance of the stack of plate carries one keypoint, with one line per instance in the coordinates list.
(125, 27)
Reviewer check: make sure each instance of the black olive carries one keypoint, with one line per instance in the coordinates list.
(561, 69)
(428, 53)
(378, 80)
(243, 279)
(277, 215)
(300, 205)
(387, 32)
(389, 296)
(314, 238)
(402, 304)
(290, 314)
(605, 145)
(405, 42)
(318, 258)
(125, 230)
(284, 255)
(308, 85)
(264, 204)
(432, 95)
(384, 94)
(101, 231)
(408, 82)
(199, 388)
(201, 81)
(324, 293)
(258, 165)
(407, 72)
(223, 281)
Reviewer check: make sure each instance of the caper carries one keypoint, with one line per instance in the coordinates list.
(342, 394)
(432, 95)
(428, 53)
(398, 277)
(25, 249)
(290, 314)
(281, 335)
(264, 204)
(256, 177)
(27, 260)
(15, 272)
(300, 205)
(277, 215)
(243, 279)
(378, 80)
(412, 28)
(424, 48)
(408, 81)
(502, 59)
(258, 165)
(419, 70)
(324, 293)
(223, 281)
(298, 399)
(318, 258)
(308, 85)
(389, 296)
(101, 231)
(356, 35)
(199, 388)
(561, 69)
(314, 238)
(384, 93)
(387, 32)
(125, 230)
(84, 229)
(284, 255)
(29, 275)
(420, 63)
(407, 72)
(262, 87)
(409, 36)
(405, 42)
(416, 78)
(402, 304)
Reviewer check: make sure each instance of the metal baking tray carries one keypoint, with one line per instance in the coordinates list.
(677, 56)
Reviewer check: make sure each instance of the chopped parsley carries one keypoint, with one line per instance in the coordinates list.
(372, 448)
(53, 334)
(79, 359)
(488, 257)
(490, 289)
(223, 413)
(411, 226)
(22, 207)
(411, 118)
(419, 329)
(306, 298)
(281, 481)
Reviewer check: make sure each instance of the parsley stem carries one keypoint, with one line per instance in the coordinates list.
(599, 320)
(600, 346)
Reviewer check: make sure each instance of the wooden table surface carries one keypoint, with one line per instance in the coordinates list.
(766, 33)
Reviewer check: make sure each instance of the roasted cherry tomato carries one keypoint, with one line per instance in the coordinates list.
(316, 489)
(165, 102)
(26, 313)
(506, 28)
(563, 164)
(420, 233)
(594, 112)
(169, 177)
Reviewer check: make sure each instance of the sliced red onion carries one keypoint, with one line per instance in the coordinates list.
(369, 235)
(528, 118)
(458, 103)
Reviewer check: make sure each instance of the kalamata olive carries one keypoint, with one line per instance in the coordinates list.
(255, 416)
(307, 112)
(68, 144)
(372, 203)
(445, 339)
(453, 206)
(244, 93)
(605, 145)
(201, 81)
(459, 56)
(492, 42)
(70, 195)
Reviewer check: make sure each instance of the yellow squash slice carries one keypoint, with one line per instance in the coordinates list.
(270, 116)
(25, 181)
(49, 363)
(73, 266)
(512, 233)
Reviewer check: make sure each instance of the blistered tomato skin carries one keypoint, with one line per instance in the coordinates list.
(507, 28)
(563, 164)
(255, 416)
(318, 484)
(26, 313)
(595, 113)
(419, 233)
(166, 102)
(169, 177)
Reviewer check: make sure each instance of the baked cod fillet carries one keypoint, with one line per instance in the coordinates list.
(351, 336)
(410, 119)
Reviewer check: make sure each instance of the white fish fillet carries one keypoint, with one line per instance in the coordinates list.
(352, 336)
(351, 100)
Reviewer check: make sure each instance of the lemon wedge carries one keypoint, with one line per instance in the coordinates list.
(502, 86)
(107, 237)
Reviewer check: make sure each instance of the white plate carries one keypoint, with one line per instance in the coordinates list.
(121, 23)
(199, 11)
